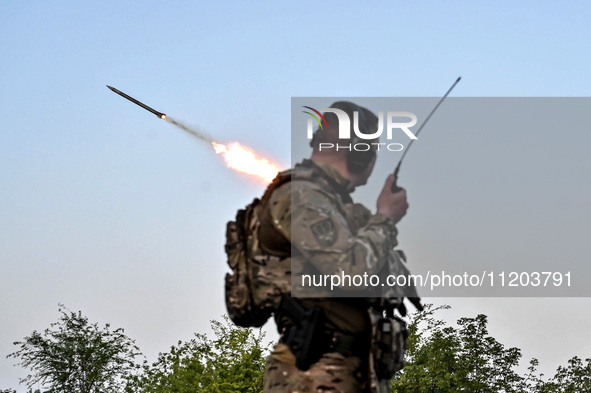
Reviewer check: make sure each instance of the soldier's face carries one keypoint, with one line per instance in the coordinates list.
(360, 179)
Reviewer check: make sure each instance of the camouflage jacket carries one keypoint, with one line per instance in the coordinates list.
(314, 217)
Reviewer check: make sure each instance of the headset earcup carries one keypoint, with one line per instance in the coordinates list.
(359, 160)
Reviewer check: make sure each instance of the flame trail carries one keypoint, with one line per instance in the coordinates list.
(243, 159)
(237, 157)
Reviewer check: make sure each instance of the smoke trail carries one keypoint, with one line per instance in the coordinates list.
(238, 157)
(197, 134)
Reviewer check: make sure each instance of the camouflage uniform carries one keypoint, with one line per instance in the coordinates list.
(334, 372)
(313, 215)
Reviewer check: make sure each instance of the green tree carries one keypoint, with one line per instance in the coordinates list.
(574, 378)
(74, 356)
(445, 359)
(232, 362)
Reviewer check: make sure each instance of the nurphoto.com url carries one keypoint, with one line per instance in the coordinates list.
(441, 279)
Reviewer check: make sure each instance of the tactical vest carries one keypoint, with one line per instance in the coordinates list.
(261, 273)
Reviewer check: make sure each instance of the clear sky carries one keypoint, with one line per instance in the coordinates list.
(108, 210)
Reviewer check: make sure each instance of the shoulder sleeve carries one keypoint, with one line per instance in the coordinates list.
(312, 219)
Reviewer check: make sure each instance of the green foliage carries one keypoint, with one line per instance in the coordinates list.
(446, 359)
(74, 356)
(232, 362)
(465, 359)
(572, 379)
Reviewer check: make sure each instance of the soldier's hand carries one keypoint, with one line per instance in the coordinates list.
(393, 205)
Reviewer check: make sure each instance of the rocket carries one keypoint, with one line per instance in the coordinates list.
(146, 107)
(238, 157)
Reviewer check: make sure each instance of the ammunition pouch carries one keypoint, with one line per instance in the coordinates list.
(243, 308)
(388, 345)
(259, 276)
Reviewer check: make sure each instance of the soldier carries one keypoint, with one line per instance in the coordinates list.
(325, 340)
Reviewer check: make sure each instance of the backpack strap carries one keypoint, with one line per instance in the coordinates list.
(280, 179)
(271, 241)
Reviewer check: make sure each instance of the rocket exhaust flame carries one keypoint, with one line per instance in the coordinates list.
(243, 159)
(236, 156)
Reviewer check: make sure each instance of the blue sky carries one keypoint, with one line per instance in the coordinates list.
(108, 210)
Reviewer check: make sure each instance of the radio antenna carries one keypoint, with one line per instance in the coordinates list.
(395, 187)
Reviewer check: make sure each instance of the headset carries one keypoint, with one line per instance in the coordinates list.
(359, 160)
